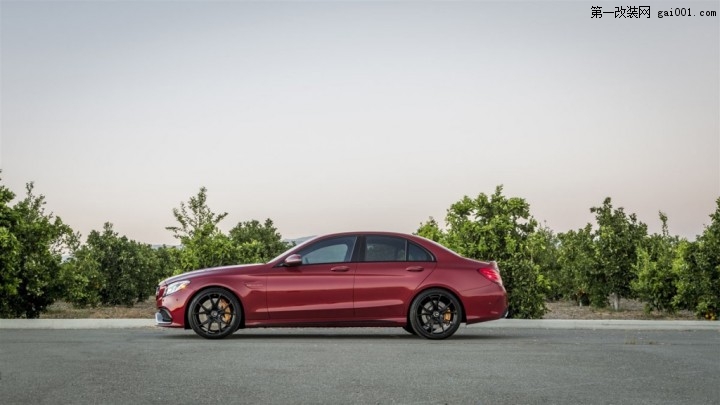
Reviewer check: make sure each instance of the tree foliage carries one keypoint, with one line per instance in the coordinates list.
(616, 239)
(205, 245)
(112, 270)
(543, 248)
(10, 277)
(698, 284)
(257, 242)
(576, 259)
(196, 219)
(431, 230)
(656, 280)
(32, 242)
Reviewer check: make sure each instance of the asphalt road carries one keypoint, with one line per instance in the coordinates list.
(479, 365)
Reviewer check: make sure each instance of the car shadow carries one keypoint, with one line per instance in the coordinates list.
(290, 334)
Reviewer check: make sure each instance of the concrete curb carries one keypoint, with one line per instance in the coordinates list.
(75, 323)
(499, 324)
(598, 324)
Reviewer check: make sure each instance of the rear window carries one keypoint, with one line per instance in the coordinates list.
(394, 249)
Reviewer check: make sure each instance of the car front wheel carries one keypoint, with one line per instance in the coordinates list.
(435, 314)
(214, 313)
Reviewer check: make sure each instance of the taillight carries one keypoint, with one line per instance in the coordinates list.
(491, 274)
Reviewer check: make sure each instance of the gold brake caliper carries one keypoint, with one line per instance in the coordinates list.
(447, 316)
(223, 305)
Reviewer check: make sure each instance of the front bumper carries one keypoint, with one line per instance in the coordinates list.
(171, 308)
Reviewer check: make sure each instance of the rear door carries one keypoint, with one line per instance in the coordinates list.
(390, 270)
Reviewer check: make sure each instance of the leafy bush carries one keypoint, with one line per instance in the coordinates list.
(205, 245)
(257, 243)
(32, 242)
(656, 280)
(698, 285)
(112, 270)
(616, 239)
(576, 259)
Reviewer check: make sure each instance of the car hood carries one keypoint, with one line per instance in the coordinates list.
(235, 269)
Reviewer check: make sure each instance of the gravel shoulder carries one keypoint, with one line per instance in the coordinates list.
(629, 310)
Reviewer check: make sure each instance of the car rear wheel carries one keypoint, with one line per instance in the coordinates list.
(435, 314)
(214, 313)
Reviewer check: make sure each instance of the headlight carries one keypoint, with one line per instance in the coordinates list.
(176, 286)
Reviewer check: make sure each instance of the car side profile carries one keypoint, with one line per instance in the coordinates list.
(347, 279)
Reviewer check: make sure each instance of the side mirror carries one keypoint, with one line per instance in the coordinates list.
(293, 260)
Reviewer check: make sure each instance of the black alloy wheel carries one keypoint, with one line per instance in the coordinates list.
(435, 314)
(214, 313)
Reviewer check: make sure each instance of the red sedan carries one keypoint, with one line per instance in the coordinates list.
(346, 279)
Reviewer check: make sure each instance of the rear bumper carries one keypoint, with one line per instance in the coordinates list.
(485, 304)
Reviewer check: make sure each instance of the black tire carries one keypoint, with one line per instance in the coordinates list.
(214, 313)
(435, 314)
(408, 328)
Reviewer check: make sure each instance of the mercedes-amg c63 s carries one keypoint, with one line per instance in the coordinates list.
(345, 279)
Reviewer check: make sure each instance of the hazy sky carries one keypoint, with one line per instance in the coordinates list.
(335, 116)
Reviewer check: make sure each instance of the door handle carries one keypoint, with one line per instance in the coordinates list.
(415, 268)
(340, 269)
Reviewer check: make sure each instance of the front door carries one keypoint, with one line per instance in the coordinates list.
(321, 288)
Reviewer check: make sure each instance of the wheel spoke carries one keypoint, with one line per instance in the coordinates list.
(223, 324)
(442, 326)
(430, 324)
(424, 321)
